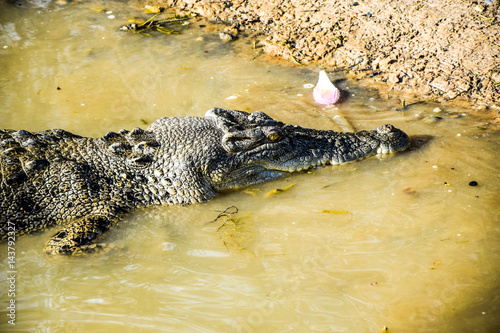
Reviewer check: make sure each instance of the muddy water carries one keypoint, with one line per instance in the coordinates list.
(402, 242)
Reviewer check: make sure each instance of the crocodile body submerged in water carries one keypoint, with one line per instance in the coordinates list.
(54, 176)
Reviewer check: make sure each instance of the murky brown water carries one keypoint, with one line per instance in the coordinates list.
(407, 244)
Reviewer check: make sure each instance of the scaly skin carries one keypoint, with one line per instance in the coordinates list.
(54, 176)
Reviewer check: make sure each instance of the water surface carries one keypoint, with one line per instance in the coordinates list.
(403, 241)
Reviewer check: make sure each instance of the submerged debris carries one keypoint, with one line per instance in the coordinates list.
(333, 211)
(409, 190)
(158, 25)
(235, 232)
(403, 107)
(153, 9)
(226, 213)
(278, 190)
(252, 191)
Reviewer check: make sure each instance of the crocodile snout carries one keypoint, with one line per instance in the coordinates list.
(391, 139)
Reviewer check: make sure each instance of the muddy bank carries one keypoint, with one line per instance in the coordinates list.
(442, 50)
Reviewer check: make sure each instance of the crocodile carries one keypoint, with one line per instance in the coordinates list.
(87, 184)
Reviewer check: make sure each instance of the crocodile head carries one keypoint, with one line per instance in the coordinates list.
(258, 148)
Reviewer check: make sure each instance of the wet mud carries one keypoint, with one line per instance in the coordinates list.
(444, 51)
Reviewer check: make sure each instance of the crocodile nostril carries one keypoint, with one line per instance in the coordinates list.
(384, 129)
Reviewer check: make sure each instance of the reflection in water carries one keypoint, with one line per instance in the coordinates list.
(414, 247)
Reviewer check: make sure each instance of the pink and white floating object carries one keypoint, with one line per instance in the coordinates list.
(325, 92)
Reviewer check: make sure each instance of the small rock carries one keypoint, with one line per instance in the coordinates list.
(451, 95)
(225, 37)
(473, 183)
(462, 86)
(440, 84)
(233, 31)
(495, 76)
(394, 77)
(383, 63)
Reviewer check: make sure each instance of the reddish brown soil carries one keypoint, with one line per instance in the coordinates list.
(443, 50)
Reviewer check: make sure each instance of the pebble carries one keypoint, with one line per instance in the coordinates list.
(225, 37)
(473, 183)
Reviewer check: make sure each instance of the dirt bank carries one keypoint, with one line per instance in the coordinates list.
(444, 50)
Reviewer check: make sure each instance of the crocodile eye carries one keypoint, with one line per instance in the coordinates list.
(273, 136)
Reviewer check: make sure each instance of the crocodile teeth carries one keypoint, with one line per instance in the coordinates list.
(305, 166)
(334, 161)
(383, 150)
